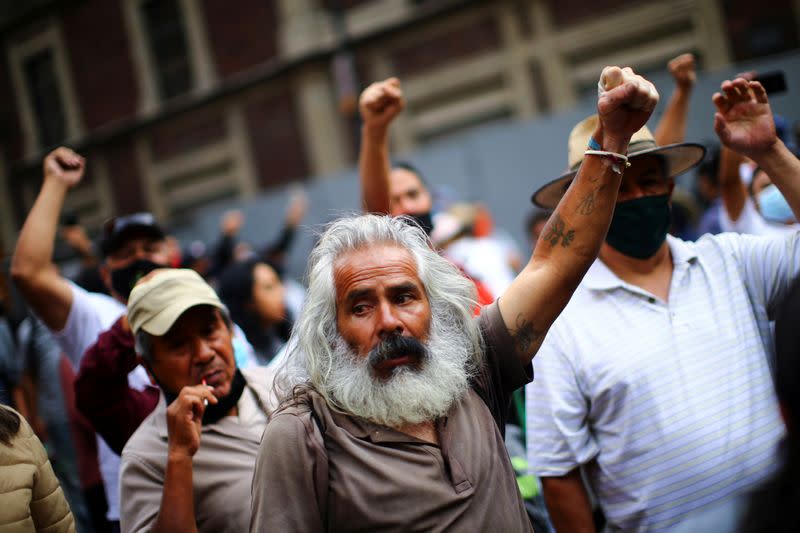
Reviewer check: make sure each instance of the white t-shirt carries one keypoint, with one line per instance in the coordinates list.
(751, 222)
(90, 315)
(485, 259)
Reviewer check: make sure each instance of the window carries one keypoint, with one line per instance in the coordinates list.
(48, 108)
(166, 37)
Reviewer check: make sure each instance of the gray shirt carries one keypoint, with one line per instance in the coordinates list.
(222, 467)
(366, 477)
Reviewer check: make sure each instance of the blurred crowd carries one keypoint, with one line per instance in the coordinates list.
(195, 386)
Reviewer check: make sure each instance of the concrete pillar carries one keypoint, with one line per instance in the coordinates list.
(558, 85)
(145, 80)
(517, 68)
(198, 45)
(102, 186)
(304, 27)
(709, 25)
(241, 151)
(152, 187)
(321, 122)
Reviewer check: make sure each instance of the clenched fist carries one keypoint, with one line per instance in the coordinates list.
(625, 103)
(683, 71)
(65, 166)
(380, 103)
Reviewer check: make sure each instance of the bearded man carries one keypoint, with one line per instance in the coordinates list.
(394, 397)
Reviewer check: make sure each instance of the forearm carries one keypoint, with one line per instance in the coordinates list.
(567, 247)
(568, 504)
(102, 393)
(177, 500)
(34, 251)
(373, 169)
(783, 168)
(32, 268)
(671, 128)
(732, 190)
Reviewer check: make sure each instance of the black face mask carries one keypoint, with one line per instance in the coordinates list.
(124, 279)
(639, 226)
(216, 412)
(425, 221)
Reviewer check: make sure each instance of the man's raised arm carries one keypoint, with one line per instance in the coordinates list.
(744, 123)
(379, 104)
(672, 126)
(32, 268)
(571, 240)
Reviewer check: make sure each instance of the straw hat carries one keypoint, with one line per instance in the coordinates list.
(680, 158)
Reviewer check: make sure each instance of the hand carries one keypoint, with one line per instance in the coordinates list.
(185, 419)
(298, 205)
(77, 238)
(65, 166)
(624, 105)
(743, 120)
(683, 71)
(232, 222)
(380, 103)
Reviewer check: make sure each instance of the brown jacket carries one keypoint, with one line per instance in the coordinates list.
(30, 496)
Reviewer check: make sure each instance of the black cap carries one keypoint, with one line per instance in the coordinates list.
(117, 230)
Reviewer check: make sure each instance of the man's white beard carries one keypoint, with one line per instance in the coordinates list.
(410, 395)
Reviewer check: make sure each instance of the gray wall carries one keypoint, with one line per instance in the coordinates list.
(501, 165)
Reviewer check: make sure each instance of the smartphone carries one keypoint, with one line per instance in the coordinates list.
(773, 82)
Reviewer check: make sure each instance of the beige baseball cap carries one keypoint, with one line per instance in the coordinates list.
(154, 305)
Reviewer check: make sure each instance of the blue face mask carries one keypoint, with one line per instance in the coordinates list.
(774, 206)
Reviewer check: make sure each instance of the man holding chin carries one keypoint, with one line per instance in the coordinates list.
(189, 465)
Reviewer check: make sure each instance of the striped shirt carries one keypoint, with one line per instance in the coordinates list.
(670, 405)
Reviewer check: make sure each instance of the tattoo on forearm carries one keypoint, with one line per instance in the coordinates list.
(586, 207)
(557, 231)
(524, 335)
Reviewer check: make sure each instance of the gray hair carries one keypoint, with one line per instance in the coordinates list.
(143, 341)
(311, 357)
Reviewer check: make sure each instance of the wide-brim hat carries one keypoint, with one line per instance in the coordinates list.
(679, 158)
(156, 304)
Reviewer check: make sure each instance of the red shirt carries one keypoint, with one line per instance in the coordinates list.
(102, 393)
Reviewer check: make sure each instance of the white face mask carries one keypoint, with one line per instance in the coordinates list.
(774, 206)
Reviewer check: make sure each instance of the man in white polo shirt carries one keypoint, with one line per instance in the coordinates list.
(655, 380)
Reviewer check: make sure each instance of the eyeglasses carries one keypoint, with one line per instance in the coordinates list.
(116, 224)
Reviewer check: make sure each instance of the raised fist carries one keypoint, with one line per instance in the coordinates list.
(683, 71)
(380, 103)
(625, 103)
(232, 222)
(65, 166)
(743, 120)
